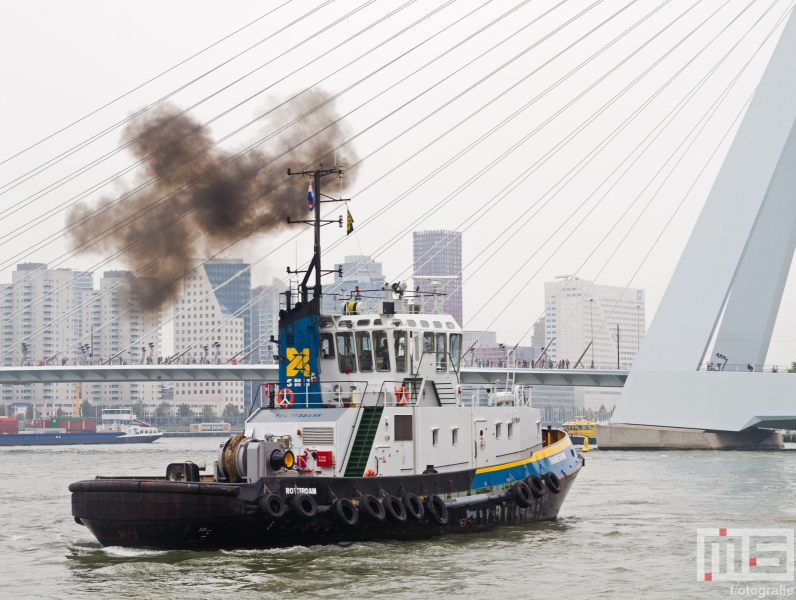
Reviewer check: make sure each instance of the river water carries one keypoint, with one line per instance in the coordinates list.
(627, 530)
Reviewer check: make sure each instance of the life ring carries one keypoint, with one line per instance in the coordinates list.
(370, 473)
(401, 396)
(286, 397)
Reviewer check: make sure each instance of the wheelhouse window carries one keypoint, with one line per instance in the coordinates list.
(382, 350)
(345, 353)
(399, 341)
(455, 351)
(364, 351)
(442, 357)
(327, 345)
(428, 342)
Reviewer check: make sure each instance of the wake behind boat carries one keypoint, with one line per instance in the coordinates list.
(367, 434)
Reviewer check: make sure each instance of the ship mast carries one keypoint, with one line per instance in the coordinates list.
(317, 223)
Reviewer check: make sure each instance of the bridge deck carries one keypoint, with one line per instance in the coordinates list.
(164, 373)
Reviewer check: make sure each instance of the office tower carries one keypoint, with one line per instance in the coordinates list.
(266, 301)
(578, 311)
(360, 272)
(438, 253)
(206, 312)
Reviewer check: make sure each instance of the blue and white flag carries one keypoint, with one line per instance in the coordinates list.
(310, 199)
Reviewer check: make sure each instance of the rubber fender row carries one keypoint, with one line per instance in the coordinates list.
(525, 492)
(345, 512)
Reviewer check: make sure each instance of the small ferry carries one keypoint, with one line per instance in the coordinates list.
(368, 433)
(132, 430)
(580, 429)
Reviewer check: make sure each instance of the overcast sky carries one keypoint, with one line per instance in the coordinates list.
(61, 61)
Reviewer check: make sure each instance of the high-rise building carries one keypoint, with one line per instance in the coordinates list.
(538, 336)
(266, 301)
(41, 323)
(205, 312)
(234, 297)
(438, 253)
(117, 325)
(478, 338)
(360, 272)
(578, 312)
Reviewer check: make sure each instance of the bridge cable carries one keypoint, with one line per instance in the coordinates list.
(138, 87)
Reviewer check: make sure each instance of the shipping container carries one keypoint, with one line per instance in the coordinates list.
(81, 424)
(41, 423)
(9, 425)
(71, 426)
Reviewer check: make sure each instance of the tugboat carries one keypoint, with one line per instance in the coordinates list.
(368, 434)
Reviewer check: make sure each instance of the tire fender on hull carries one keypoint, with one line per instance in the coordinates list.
(522, 494)
(414, 508)
(304, 506)
(534, 482)
(345, 512)
(552, 482)
(437, 509)
(372, 509)
(394, 509)
(272, 506)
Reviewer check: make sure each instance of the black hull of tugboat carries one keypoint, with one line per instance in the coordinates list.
(210, 516)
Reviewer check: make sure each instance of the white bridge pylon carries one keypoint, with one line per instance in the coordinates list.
(735, 264)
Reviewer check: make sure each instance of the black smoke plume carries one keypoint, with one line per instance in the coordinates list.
(229, 203)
